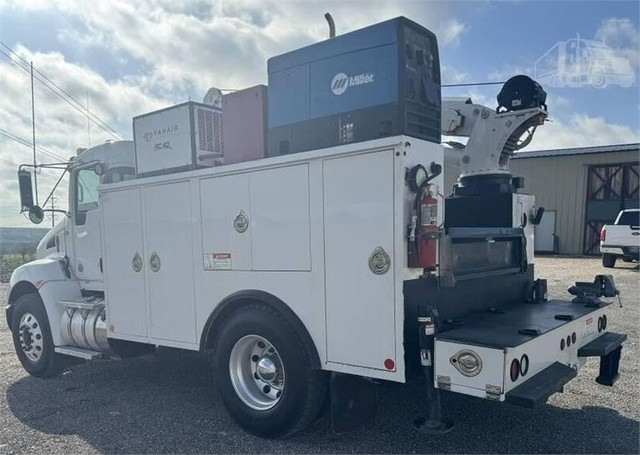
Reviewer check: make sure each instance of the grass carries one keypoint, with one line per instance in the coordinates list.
(10, 262)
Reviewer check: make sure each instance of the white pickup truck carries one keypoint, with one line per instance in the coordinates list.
(621, 239)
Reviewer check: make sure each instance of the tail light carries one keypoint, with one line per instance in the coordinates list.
(515, 370)
(603, 235)
(524, 365)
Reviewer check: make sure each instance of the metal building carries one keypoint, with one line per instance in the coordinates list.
(581, 189)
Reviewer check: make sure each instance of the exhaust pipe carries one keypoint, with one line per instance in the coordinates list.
(332, 25)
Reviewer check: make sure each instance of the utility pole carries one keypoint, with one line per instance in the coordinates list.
(88, 122)
(53, 207)
(33, 127)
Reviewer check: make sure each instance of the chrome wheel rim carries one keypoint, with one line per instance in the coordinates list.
(257, 372)
(30, 334)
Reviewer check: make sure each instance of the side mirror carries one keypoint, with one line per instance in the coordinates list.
(36, 214)
(26, 189)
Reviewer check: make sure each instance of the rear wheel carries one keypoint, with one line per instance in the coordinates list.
(263, 373)
(608, 260)
(32, 338)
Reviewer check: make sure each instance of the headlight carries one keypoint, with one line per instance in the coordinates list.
(467, 362)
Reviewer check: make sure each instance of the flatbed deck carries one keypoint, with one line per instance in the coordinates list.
(511, 326)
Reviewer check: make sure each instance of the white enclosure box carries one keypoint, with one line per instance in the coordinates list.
(182, 137)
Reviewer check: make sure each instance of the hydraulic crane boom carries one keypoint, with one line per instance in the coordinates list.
(494, 134)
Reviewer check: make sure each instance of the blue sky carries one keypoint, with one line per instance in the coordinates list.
(128, 58)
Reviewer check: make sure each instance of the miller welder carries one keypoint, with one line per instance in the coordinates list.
(382, 80)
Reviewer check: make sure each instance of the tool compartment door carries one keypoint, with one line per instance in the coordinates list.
(124, 265)
(358, 218)
(169, 262)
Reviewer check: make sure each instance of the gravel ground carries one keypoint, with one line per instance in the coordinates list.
(165, 404)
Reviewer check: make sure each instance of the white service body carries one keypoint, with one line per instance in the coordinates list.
(314, 219)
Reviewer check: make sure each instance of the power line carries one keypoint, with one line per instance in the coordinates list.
(466, 84)
(469, 84)
(61, 93)
(26, 143)
(12, 164)
(78, 106)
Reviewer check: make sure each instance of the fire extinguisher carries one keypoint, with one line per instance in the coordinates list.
(428, 231)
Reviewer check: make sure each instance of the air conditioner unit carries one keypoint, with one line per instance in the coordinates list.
(179, 138)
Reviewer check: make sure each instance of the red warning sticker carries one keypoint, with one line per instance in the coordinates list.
(221, 261)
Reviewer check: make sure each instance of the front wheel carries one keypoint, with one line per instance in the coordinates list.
(263, 373)
(32, 338)
(608, 260)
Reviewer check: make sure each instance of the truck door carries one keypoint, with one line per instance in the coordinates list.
(85, 230)
(169, 261)
(358, 249)
(124, 265)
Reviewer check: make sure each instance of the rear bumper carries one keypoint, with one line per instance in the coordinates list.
(537, 390)
(631, 252)
(528, 352)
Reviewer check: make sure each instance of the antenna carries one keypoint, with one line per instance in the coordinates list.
(33, 127)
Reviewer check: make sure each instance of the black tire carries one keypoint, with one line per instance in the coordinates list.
(305, 389)
(608, 260)
(47, 363)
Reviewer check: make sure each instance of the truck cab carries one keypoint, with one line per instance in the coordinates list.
(71, 252)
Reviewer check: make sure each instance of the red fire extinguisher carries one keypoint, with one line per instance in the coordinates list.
(428, 233)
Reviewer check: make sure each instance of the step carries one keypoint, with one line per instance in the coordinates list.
(86, 354)
(603, 345)
(539, 388)
(91, 303)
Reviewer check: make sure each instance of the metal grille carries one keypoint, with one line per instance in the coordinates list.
(209, 131)
(610, 188)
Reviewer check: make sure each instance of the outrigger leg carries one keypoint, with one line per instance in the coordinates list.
(432, 423)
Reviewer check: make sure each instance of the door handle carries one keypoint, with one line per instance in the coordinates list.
(154, 262)
(136, 262)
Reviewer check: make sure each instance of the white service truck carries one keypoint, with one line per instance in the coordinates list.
(326, 270)
(621, 239)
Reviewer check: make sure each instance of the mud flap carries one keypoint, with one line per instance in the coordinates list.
(354, 401)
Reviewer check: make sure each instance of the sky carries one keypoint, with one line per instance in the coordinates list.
(125, 58)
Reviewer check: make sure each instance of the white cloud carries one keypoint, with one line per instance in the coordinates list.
(60, 129)
(451, 31)
(621, 35)
(582, 130)
(451, 75)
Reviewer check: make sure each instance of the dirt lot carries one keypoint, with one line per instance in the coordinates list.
(165, 404)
